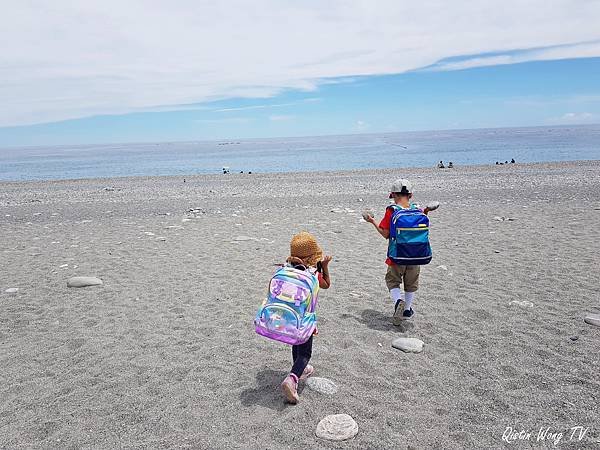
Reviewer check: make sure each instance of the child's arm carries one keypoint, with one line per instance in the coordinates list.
(385, 233)
(324, 280)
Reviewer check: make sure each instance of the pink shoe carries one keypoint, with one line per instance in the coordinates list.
(289, 388)
(308, 371)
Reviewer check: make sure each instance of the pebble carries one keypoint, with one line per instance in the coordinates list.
(503, 219)
(496, 251)
(12, 290)
(337, 427)
(161, 238)
(322, 385)
(83, 281)
(442, 267)
(242, 238)
(409, 345)
(522, 303)
(593, 319)
(148, 233)
(574, 338)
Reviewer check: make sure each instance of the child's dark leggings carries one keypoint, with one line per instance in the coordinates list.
(301, 356)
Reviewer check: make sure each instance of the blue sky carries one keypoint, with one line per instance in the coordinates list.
(112, 71)
(524, 94)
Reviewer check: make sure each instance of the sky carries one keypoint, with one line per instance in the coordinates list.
(142, 71)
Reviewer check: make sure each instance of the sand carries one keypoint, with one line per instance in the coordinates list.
(164, 354)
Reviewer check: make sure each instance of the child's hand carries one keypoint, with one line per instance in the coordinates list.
(432, 206)
(326, 261)
(368, 217)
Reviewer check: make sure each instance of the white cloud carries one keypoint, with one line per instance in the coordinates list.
(65, 59)
(226, 120)
(578, 117)
(361, 125)
(581, 50)
(265, 106)
(280, 117)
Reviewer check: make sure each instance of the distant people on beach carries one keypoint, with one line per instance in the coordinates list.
(226, 170)
(512, 161)
(441, 165)
(450, 165)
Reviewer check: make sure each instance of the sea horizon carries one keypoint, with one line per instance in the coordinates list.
(409, 149)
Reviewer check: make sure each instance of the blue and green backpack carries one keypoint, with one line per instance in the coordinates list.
(409, 236)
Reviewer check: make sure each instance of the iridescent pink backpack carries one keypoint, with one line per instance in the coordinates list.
(288, 313)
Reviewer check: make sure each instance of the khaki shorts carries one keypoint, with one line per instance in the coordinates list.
(395, 275)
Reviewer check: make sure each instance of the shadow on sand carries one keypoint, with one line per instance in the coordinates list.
(376, 320)
(267, 391)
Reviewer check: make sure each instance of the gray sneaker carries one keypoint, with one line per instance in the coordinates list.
(398, 313)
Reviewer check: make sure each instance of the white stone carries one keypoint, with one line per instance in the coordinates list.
(148, 233)
(337, 427)
(522, 303)
(322, 385)
(593, 319)
(161, 238)
(63, 266)
(409, 345)
(83, 281)
(12, 290)
(442, 267)
(242, 238)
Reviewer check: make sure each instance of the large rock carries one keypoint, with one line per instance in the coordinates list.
(322, 385)
(593, 319)
(408, 345)
(337, 427)
(83, 282)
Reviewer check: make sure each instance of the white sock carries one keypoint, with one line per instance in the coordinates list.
(408, 299)
(396, 295)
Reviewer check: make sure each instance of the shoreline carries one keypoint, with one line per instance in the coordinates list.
(472, 167)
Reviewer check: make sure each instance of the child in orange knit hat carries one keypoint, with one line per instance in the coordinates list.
(305, 254)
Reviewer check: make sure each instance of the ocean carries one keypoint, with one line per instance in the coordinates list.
(382, 150)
